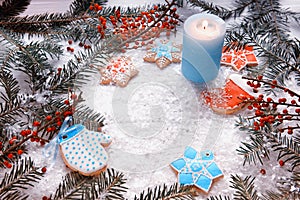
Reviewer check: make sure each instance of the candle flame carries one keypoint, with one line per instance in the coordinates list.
(204, 24)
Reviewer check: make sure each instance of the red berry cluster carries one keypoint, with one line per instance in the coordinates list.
(269, 110)
(142, 27)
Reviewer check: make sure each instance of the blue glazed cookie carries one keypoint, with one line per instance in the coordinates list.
(197, 169)
(83, 150)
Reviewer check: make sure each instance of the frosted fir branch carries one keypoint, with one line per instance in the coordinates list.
(11, 8)
(165, 192)
(110, 184)
(22, 176)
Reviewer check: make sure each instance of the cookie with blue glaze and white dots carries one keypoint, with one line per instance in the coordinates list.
(197, 169)
(83, 150)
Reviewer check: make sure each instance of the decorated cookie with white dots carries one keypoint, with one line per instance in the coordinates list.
(83, 150)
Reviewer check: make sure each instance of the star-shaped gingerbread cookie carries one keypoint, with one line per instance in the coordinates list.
(118, 72)
(238, 59)
(163, 54)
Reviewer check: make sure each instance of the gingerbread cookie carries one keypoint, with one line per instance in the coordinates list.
(83, 150)
(197, 169)
(229, 99)
(119, 71)
(238, 59)
(163, 54)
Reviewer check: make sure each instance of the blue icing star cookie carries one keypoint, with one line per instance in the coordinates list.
(83, 150)
(197, 169)
(164, 53)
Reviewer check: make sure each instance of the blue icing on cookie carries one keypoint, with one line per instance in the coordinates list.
(197, 169)
(178, 164)
(186, 179)
(214, 170)
(203, 182)
(190, 153)
(84, 154)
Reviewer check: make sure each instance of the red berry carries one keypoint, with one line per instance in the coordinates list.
(20, 151)
(91, 8)
(274, 82)
(36, 123)
(44, 169)
(250, 107)
(34, 133)
(290, 131)
(281, 163)
(48, 117)
(49, 129)
(73, 96)
(32, 139)
(293, 101)
(58, 123)
(10, 156)
(70, 42)
(269, 99)
(42, 142)
(259, 77)
(57, 113)
(67, 102)
(263, 171)
(285, 111)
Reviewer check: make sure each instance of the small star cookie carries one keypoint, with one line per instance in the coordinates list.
(229, 99)
(163, 54)
(238, 59)
(119, 71)
(197, 169)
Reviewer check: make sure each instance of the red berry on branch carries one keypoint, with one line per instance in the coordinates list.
(70, 42)
(20, 151)
(10, 156)
(285, 111)
(36, 123)
(48, 117)
(281, 163)
(44, 169)
(67, 102)
(269, 99)
(49, 129)
(250, 107)
(91, 7)
(274, 82)
(32, 139)
(293, 101)
(290, 131)
(45, 198)
(259, 77)
(263, 171)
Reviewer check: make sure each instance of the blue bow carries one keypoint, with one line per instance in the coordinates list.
(55, 142)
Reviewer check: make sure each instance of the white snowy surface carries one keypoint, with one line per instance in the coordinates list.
(154, 118)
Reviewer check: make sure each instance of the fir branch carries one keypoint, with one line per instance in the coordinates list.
(22, 176)
(167, 193)
(79, 7)
(289, 149)
(109, 185)
(253, 150)
(222, 12)
(11, 8)
(244, 188)
(218, 198)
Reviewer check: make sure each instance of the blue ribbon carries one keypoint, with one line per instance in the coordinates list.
(55, 142)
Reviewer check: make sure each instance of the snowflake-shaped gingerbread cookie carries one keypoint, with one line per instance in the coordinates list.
(163, 54)
(118, 72)
(197, 169)
(238, 59)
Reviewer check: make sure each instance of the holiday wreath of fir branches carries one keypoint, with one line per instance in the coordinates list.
(36, 114)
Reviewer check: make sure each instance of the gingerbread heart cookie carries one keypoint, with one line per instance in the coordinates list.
(229, 99)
